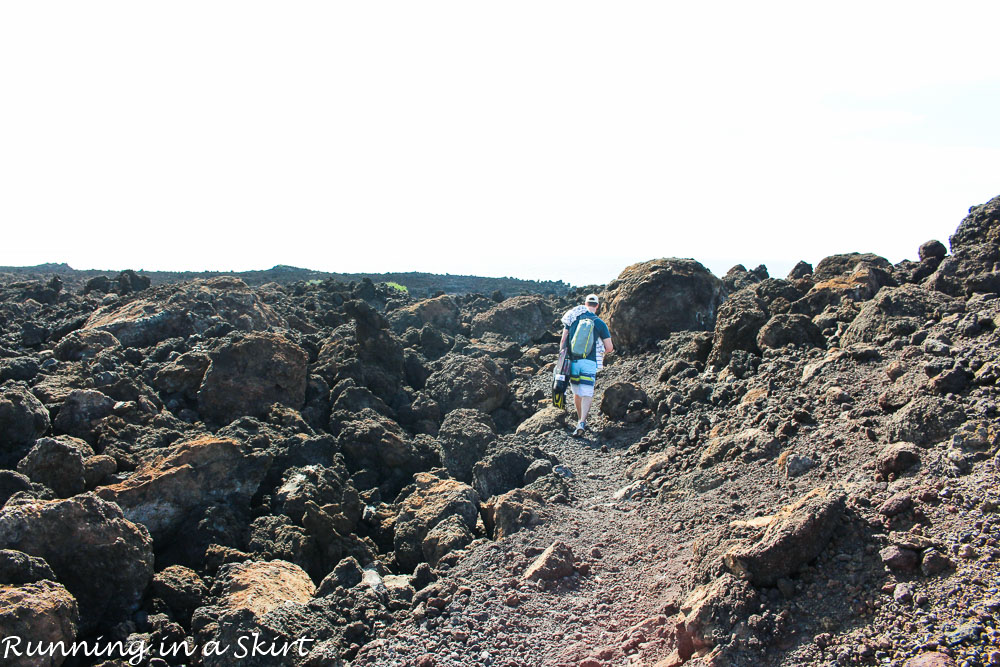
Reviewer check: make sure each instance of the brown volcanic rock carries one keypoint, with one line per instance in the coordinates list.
(432, 501)
(183, 310)
(248, 376)
(468, 382)
(553, 563)
(183, 374)
(897, 311)
(523, 319)
(42, 611)
(208, 470)
(260, 587)
(975, 246)
(57, 464)
(23, 418)
(104, 560)
(650, 300)
(794, 537)
(440, 312)
(84, 344)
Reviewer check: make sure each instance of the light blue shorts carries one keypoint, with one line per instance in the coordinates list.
(582, 375)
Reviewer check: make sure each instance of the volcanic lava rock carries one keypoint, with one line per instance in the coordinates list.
(925, 419)
(652, 299)
(468, 382)
(183, 375)
(81, 411)
(327, 486)
(23, 418)
(84, 344)
(748, 445)
(38, 612)
(104, 560)
(897, 457)
(931, 250)
(710, 613)
(185, 309)
(897, 311)
(431, 501)
(57, 464)
(739, 321)
(162, 493)
(523, 319)
(18, 568)
(619, 396)
(795, 536)
(450, 534)
(845, 264)
(440, 312)
(372, 439)
(789, 329)
(249, 375)
(463, 438)
(181, 589)
(975, 248)
(508, 513)
(544, 421)
(553, 563)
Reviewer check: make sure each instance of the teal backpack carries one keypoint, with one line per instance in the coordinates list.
(581, 342)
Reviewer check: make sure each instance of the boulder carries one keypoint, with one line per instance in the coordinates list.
(794, 536)
(747, 445)
(441, 312)
(450, 534)
(801, 269)
(464, 436)
(502, 469)
(650, 300)
(553, 563)
(183, 375)
(185, 309)
(790, 329)
(326, 486)
(23, 419)
(739, 321)
(12, 482)
(467, 382)
(975, 248)
(931, 250)
(897, 457)
(709, 614)
(925, 419)
(161, 493)
(372, 439)
(81, 411)
(897, 311)
(104, 560)
(57, 464)
(249, 375)
(508, 513)
(18, 568)
(431, 500)
(522, 319)
(545, 420)
(259, 587)
(19, 369)
(84, 344)
(181, 589)
(619, 396)
(41, 612)
(845, 264)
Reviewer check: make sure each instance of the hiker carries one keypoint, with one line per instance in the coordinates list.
(584, 354)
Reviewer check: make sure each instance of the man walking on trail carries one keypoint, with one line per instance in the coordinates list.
(582, 330)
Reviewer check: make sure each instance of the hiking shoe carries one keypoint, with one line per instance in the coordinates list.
(578, 432)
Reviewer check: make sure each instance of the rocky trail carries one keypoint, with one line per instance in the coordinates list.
(797, 471)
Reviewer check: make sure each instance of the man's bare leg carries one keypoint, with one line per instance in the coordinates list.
(583, 408)
(579, 408)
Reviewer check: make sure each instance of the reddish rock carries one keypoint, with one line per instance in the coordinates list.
(899, 559)
(42, 611)
(553, 563)
(162, 492)
(248, 376)
(104, 560)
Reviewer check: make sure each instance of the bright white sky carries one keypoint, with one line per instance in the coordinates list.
(551, 140)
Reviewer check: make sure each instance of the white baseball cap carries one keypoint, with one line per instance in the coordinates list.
(591, 298)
